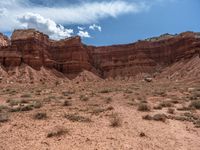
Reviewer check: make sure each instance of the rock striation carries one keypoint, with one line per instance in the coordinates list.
(71, 57)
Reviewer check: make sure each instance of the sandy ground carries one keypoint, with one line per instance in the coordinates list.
(97, 102)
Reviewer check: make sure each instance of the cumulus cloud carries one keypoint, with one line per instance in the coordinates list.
(81, 12)
(84, 34)
(80, 28)
(95, 27)
(44, 25)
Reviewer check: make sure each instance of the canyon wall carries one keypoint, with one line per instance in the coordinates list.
(70, 56)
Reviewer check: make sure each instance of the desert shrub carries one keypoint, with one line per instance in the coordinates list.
(181, 118)
(13, 102)
(160, 117)
(158, 107)
(142, 134)
(110, 108)
(197, 124)
(4, 117)
(165, 104)
(160, 93)
(67, 93)
(195, 104)
(128, 91)
(66, 103)
(3, 107)
(84, 98)
(156, 117)
(97, 111)
(26, 108)
(184, 108)
(108, 100)
(26, 95)
(144, 107)
(77, 118)
(147, 117)
(170, 110)
(40, 115)
(115, 120)
(57, 131)
(105, 91)
(36, 104)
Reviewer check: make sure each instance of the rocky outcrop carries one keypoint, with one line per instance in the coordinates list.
(4, 41)
(71, 57)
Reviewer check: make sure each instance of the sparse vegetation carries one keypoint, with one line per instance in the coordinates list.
(158, 107)
(156, 117)
(160, 117)
(26, 96)
(197, 124)
(195, 104)
(57, 131)
(40, 115)
(108, 100)
(66, 103)
(144, 107)
(3, 117)
(84, 98)
(36, 104)
(77, 118)
(105, 91)
(171, 110)
(165, 104)
(115, 120)
(97, 111)
(3, 107)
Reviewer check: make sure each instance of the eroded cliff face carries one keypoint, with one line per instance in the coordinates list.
(71, 57)
(145, 56)
(4, 41)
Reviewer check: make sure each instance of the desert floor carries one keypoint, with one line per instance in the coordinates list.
(100, 115)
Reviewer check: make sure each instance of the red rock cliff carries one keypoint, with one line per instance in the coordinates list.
(70, 56)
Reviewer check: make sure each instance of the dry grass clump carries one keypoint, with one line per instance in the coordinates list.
(195, 104)
(197, 124)
(84, 98)
(108, 100)
(156, 117)
(158, 107)
(26, 95)
(57, 131)
(105, 91)
(40, 115)
(171, 110)
(160, 92)
(3, 107)
(3, 117)
(67, 103)
(144, 107)
(77, 118)
(115, 120)
(165, 104)
(67, 93)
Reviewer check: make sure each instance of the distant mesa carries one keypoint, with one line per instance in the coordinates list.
(70, 57)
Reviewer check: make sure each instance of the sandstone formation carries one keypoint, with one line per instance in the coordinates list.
(71, 57)
(4, 41)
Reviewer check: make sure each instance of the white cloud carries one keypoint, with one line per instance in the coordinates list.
(84, 34)
(86, 12)
(81, 28)
(3, 12)
(44, 25)
(95, 27)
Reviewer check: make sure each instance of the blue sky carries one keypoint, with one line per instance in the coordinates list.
(101, 22)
